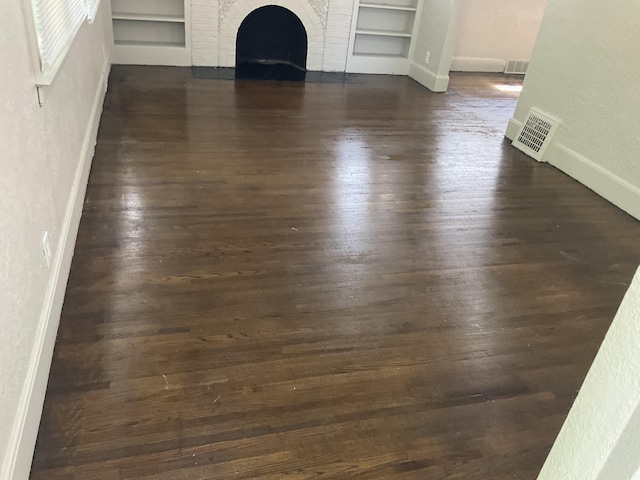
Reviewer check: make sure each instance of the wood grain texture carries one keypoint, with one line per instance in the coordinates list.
(331, 281)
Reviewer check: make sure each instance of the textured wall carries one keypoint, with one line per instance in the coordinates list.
(599, 440)
(438, 30)
(434, 34)
(585, 71)
(498, 29)
(40, 152)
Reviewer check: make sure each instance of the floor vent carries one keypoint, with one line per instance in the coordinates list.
(516, 67)
(536, 133)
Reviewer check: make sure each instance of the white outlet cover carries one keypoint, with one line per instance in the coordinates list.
(427, 57)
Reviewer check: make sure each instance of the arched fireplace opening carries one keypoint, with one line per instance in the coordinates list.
(271, 44)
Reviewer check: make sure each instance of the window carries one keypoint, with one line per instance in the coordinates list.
(56, 24)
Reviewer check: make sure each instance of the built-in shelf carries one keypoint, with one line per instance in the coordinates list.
(147, 17)
(382, 35)
(151, 32)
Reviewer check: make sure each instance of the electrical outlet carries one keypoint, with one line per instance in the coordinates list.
(427, 57)
(46, 248)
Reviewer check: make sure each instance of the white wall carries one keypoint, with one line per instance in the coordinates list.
(43, 152)
(437, 34)
(584, 71)
(494, 31)
(599, 440)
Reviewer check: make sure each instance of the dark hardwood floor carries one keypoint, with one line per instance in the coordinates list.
(324, 280)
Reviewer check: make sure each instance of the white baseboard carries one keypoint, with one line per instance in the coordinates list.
(606, 184)
(424, 76)
(472, 64)
(150, 55)
(377, 65)
(611, 187)
(22, 439)
(513, 127)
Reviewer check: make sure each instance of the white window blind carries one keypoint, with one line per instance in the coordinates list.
(56, 24)
(92, 9)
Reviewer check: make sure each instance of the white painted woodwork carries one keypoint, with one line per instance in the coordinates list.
(382, 36)
(151, 32)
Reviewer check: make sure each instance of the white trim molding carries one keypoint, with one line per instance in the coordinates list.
(424, 76)
(472, 64)
(608, 185)
(513, 128)
(605, 183)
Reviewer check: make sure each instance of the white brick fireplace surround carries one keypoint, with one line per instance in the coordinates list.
(215, 23)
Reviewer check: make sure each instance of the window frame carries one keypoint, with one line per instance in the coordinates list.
(45, 77)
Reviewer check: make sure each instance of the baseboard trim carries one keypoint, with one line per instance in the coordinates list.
(424, 76)
(473, 64)
(611, 187)
(22, 439)
(513, 127)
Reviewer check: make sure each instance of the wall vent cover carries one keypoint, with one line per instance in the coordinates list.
(536, 133)
(516, 67)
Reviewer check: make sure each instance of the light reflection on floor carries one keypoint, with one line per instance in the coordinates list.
(508, 88)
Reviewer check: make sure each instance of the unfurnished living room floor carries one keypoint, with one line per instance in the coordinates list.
(324, 280)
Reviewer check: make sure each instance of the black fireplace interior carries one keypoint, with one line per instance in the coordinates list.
(271, 45)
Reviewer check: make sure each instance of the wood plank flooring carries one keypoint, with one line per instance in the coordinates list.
(324, 281)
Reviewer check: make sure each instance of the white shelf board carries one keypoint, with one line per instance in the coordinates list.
(147, 17)
(386, 6)
(384, 33)
(379, 55)
(145, 43)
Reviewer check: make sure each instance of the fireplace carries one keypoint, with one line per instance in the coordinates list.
(215, 25)
(271, 44)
